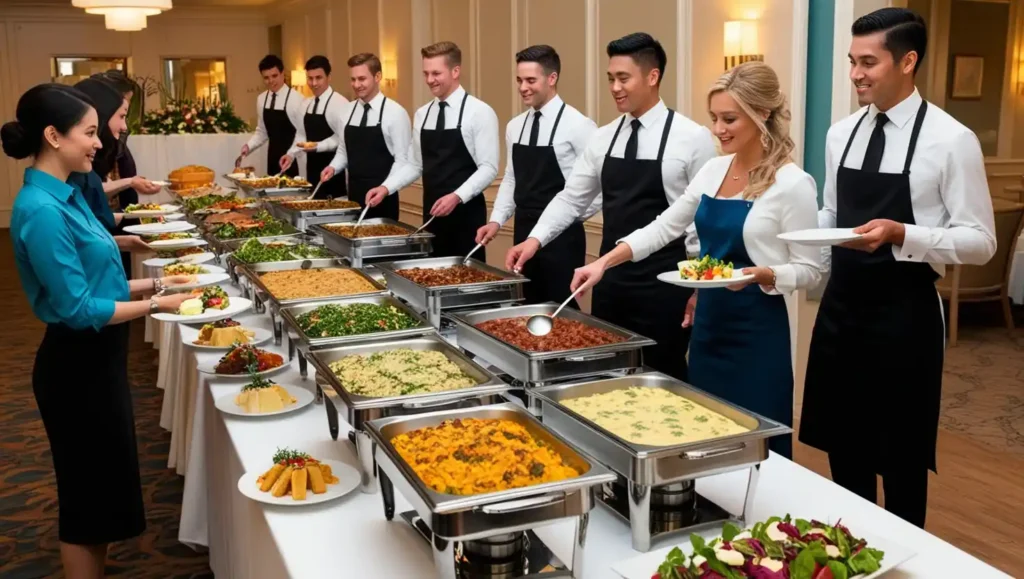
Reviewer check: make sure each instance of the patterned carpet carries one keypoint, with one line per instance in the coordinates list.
(28, 499)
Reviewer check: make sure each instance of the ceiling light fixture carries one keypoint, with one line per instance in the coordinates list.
(124, 15)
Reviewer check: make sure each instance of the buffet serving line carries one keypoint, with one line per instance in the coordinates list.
(326, 441)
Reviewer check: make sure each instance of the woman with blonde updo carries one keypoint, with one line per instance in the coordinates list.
(740, 202)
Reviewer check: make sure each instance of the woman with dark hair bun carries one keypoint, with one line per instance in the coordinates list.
(70, 271)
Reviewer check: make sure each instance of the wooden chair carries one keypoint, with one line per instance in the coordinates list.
(989, 282)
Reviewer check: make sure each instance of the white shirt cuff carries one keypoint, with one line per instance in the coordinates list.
(640, 251)
(785, 279)
(916, 243)
(465, 194)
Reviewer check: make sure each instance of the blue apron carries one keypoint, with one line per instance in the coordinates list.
(739, 349)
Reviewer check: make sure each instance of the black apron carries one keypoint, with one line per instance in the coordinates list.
(630, 295)
(447, 164)
(369, 164)
(317, 129)
(874, 371)
(538, 179)
(281, 135)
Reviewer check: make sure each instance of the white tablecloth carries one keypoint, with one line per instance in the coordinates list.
(157, 155)
(247, 539)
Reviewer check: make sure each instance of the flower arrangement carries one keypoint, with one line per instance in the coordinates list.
(186, 117)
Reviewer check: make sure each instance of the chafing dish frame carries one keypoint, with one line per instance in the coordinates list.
(642, 467)
(305, 218)
(533, 368)
(388, 246)
(233, 263)
(454, 518)
(223, 245)
(299, 341)
(433, 299)
(358, 409)
(263, 297)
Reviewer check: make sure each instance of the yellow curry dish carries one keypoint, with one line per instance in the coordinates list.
(474, 456)
(653, 416)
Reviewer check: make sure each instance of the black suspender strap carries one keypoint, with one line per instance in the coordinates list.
(664, 134)
(914, 134)
(616, 136)
(554, 128)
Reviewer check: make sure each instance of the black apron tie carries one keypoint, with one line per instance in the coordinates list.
(318, 129)
(876, 146)
(535, 130)
(447, 164)
(280, 134)
(369, 162)
(633, 142)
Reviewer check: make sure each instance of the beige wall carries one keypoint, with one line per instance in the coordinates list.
(31, 36)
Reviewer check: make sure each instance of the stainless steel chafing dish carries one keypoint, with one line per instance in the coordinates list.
(298, 340)
(305, 218)
(468, 530)
(358, 409)
(534, 368)
(222, 245)
(263, 296)
(388, 246)
(431, 300)
(655, 491)
(233, 264)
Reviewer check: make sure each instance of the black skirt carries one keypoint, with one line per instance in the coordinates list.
(80, 381)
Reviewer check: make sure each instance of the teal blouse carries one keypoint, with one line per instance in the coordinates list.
(69, 265)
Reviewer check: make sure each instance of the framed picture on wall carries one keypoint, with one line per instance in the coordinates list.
(967, 76)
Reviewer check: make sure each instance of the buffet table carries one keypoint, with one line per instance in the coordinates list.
(248, 539)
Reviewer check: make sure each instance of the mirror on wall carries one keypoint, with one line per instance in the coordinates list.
(72, 69)
(196, 79)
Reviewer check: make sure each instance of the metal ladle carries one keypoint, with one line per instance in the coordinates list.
(361, 216)
(541, 324)
(424, 226)
(468, 255)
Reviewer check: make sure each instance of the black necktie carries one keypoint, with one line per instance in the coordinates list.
(876, 146)
(316, 104)
(440, 116)
(632, 143)
(273, 101)
(366, 113)
(536, 129)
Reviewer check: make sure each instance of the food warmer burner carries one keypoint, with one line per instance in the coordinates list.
(654, 492)
(489, 535)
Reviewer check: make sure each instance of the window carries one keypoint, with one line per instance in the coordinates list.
(196, 79)
(72, 69)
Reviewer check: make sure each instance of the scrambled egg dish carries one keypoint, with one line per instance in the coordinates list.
(473, 456)
(653, 416)
(399, 373)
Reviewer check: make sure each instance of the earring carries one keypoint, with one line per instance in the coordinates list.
(765, 143)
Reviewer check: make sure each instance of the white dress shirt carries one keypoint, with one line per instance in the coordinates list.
(479, 131)
(295, 111)
(331, 106)
(948, 187)
(571, 138)
(689, 146)
(395, 126)
(789, 204)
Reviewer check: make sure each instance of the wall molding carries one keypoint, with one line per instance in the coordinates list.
(798, 87)
(683, 56)
(592, 22)
(1011, 82)
(842, 94)
(348, 23)
(474, 46)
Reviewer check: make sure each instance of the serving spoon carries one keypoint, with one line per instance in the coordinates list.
(468, 255)
(362, 216)
(424, 226)
(541, 324)
(315, 189)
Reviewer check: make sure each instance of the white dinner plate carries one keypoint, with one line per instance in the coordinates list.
(174, 217)
(177, 243)
(348, 481)
(235, 307)
(155, 228)
(211, 369)
(209, 268)
(646, 565)
(194, 258)
(261, 336)
(674, 278)
(202, 280)
(303, 397)
(163, 211)
(820, 237)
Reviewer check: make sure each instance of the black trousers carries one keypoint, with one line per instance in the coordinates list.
(905, 488)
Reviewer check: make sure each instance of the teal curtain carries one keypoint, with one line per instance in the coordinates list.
(818, 104)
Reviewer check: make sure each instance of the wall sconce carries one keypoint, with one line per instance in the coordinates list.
(390, 72)
(298, 79)
(741, 43)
